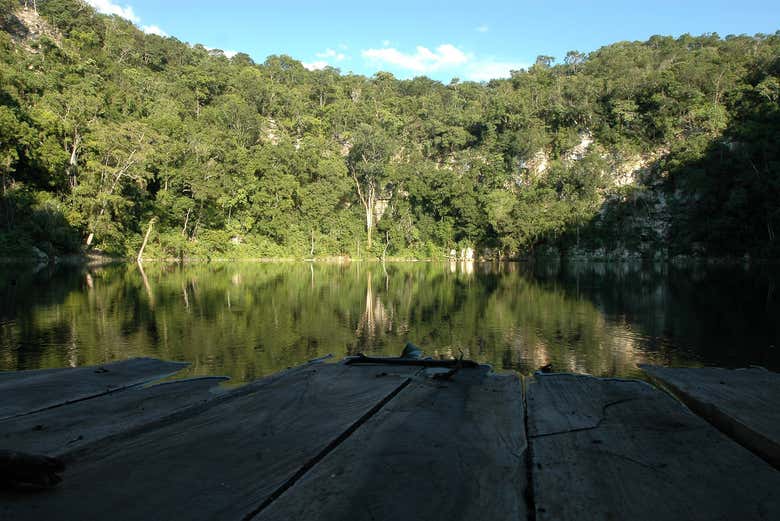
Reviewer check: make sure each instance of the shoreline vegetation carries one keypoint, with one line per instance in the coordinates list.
(132, 144)
(98, 260)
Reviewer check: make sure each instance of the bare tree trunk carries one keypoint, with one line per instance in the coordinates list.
(311, 250)
(370, 205)
(384, 250)
(197, 223)
(146, 239)
(368, 200)
(73, 161)
(369, 225)
(186, 220)
(91, 235)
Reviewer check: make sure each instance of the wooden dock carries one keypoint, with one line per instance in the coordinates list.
(367, 439)
(742, 403)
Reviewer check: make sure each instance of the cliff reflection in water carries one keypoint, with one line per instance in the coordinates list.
(246, 320)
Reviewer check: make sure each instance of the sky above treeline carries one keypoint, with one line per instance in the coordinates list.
(440, 39)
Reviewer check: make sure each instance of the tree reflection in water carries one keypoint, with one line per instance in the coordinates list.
(250, 319)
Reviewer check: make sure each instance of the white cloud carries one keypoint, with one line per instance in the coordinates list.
(316, 65)
(153, 29)
(484, 70)
(109, 7)
(422, 60)
(483, 28)
(445, 59)
(330, 53)
(326, 58)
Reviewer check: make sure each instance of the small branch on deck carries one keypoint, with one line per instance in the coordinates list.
(363, 359)
(449, 374)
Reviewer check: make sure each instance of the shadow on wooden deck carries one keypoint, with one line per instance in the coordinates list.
(372, 439)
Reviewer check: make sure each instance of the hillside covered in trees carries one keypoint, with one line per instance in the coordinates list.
(658, 148)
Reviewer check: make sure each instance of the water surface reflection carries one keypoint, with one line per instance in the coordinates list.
(250, 319)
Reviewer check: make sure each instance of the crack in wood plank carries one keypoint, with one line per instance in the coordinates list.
(75, 400)
(592, 427)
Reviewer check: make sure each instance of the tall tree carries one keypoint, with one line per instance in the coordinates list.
(368, 162)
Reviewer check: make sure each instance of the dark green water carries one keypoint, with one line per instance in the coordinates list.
(246, 320)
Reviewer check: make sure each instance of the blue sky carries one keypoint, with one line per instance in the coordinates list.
(475, 40)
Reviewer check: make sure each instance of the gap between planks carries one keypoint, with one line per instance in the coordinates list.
(341, 438)
(530, 497)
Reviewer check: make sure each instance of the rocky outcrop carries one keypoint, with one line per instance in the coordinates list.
(635, 218)
(26, 26)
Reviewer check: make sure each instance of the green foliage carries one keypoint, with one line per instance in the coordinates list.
(113, 127)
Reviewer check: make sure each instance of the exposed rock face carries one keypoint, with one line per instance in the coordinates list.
(625, 171)
(579, 150)
(636, 169)
(26, 25)
(538, 164)
(635, 216)
(380, 207)
(271, 131)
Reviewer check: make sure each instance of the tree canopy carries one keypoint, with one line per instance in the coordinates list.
(671, 142)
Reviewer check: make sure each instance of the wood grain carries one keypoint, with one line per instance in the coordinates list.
(447, 451)
(39, 390)
(612, 449)
(743, 403)
(221, 462)
(64, 429)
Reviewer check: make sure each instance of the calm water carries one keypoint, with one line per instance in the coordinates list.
(246, 320)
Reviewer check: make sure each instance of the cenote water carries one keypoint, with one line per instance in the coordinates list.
(246, 320)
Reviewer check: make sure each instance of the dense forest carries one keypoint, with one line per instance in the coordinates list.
(109, 135)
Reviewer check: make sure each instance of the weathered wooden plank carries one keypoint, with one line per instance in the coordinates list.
(64, 429)
(440, 450)
(8, 376)
(223, 461)
(52, 388)
(612, 449)
(743, 403)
